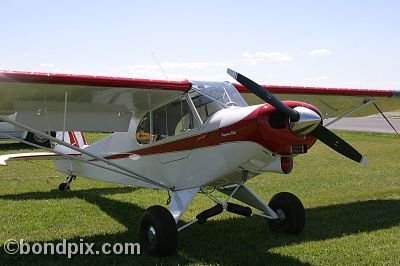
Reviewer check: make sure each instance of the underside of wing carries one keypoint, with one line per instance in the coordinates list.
(333, 102)
(79, 102)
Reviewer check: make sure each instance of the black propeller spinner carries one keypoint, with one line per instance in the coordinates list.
(320, 132)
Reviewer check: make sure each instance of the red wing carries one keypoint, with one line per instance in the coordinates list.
(93, 103)
(332, 101)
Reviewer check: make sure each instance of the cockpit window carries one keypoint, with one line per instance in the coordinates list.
(176, 117)
(169, 120)
(210, 97)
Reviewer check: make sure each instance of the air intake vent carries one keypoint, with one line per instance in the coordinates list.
(278, 120)
(299, 149)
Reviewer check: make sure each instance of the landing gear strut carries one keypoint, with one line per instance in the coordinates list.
(67, 184)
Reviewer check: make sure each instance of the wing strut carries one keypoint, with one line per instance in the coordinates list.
(387, 120)
(65, 113)
(365, 103)
(108, 162)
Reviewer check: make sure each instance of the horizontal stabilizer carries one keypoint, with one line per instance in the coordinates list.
(30, 156)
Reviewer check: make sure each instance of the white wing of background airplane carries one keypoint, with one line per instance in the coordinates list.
(81, 102)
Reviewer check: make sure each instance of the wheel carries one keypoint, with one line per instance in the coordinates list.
(157, 232)
(63, 186)
(291, 213)
(35, 139)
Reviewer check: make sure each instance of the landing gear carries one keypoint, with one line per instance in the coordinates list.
(67, 184)
(158, 234)
(158, 231)
(285, 212)
(291, 214)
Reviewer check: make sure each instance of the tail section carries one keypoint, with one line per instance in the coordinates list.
(75, 138)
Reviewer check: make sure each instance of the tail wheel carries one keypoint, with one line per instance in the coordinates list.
(292, 217)
(158, 234)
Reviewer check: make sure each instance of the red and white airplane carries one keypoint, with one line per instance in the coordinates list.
(182, 136)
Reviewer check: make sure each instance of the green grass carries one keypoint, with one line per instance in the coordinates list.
(353, 213)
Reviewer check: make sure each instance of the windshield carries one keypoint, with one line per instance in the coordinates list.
(210, 97)
(223, 93)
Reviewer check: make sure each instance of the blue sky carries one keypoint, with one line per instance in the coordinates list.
(319, 43)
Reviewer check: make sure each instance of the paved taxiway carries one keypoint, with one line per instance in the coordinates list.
(370, 124)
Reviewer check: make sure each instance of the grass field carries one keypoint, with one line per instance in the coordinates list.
(353, 213)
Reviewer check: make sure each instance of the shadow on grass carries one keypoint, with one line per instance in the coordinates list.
(15, 146)
(232, 241)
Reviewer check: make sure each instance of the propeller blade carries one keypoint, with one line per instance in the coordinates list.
(338, 144)
(265, 95)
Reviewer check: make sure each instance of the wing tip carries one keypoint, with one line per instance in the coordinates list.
(364, 160)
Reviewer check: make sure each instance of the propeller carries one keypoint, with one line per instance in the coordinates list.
(265, 95)
(338, 144)
(318, 130)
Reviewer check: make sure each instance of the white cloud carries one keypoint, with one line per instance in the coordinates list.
(200, 76)
(47, 65)
(315, 81)
(194, 65)
(176, 65)
(172, 69)
(264, 56)
(320, 52)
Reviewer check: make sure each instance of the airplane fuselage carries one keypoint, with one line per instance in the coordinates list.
(253, 139)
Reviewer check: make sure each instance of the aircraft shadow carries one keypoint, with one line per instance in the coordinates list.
(15, 146)
(226, 242)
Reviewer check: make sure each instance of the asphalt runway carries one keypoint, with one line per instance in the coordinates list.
(369, 124)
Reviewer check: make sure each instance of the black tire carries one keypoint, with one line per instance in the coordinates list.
(291, 211)
(63, 187)
(32, 138)
(158, 235)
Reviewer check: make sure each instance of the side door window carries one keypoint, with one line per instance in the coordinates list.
(172, 119)
(169, 128)
(167, 121)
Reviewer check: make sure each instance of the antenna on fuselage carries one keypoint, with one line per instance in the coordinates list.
(159, 65)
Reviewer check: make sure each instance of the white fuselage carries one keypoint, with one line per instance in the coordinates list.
(209, 155)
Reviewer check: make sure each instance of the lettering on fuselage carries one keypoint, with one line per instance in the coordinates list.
(228, 134)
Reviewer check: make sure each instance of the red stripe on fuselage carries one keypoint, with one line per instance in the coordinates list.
(248, 129)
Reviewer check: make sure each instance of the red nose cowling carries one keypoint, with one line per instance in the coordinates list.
(276, 134)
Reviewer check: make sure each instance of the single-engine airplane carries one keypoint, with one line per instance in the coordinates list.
(185, 137)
